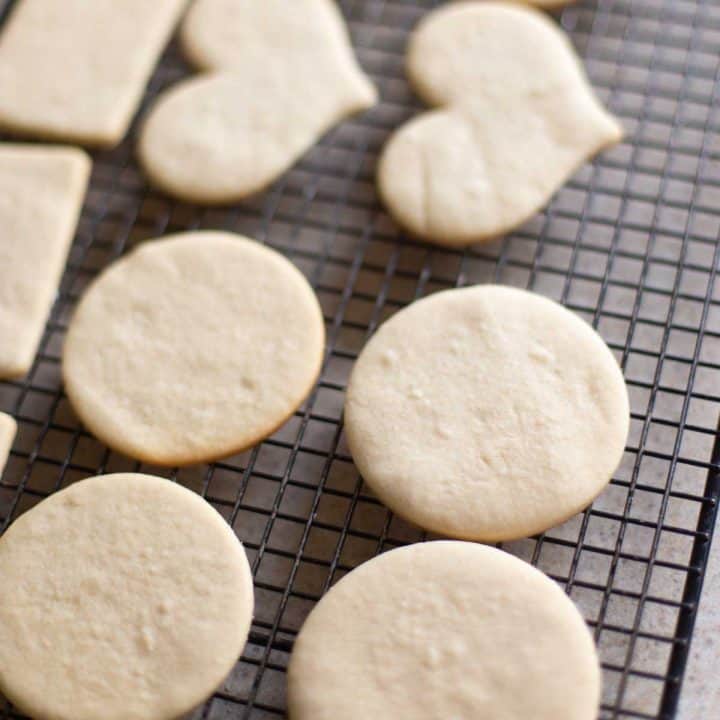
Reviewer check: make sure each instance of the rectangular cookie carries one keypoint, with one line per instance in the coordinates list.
(8, 429)
(75, 70)
(41, 194)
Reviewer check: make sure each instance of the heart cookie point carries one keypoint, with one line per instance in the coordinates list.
(277, 79)
(516, 118)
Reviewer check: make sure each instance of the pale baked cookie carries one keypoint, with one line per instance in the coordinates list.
(75, 70)
(192, 348)
(549, 4)
(124, 597)
(8, 430)
(284, 73)
(444, 630)
(41, 194)
(486, 413)
(515, 118)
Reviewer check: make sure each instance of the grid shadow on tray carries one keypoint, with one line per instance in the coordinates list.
(630, 243)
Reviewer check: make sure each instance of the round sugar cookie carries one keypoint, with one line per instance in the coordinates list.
(444, 629)
(550, 4)
(486, 413)
(124, 597)
(192, 348)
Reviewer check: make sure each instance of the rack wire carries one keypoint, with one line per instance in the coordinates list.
(630, 243)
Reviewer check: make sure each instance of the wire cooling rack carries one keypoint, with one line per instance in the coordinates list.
(630, 243)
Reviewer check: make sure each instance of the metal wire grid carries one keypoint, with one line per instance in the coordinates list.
(630, 243)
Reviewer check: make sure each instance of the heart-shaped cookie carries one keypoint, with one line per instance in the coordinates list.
(280, 75)
(516, 117)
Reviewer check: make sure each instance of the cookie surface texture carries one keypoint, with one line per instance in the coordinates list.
(549, 4)
(86, 62)
(515, 117)
(444, 629)
(41, 194)
(192, 348)
(8, 430)
(125, 597)
(278, 76)
(486, 413)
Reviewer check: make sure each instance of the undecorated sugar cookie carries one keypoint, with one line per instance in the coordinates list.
(514, 117)
(444, 630)
(486, 413)
(41, 195)
(8, 430)
(548, 4)
(124, 597)
(192, 348)
(280, 75)
(75, 70)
